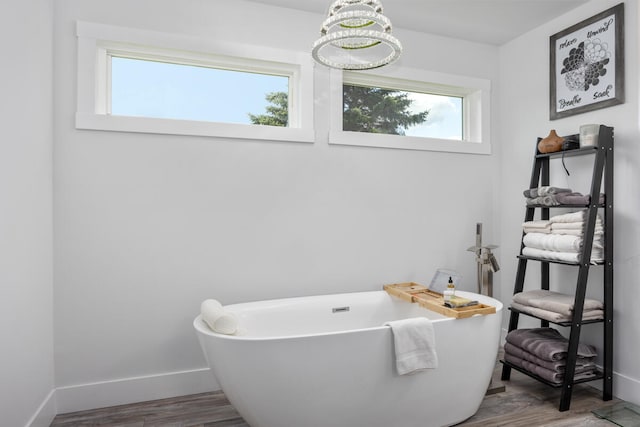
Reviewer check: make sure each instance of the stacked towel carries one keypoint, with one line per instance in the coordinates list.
(569, 257)
(539, 226)
(559, 366)
(574, 198)
(532, 193)
(578, 216)
(555, 196)
(217, 318)
(554, 306)
(550, 200)
(543, 351)
(544, 196)
(575, 227)
(561, 238)
(553, 242)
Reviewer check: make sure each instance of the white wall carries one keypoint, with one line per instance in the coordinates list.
(26, 310)
(524, 115)
(147, 226)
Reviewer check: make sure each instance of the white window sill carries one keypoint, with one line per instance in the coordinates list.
(105, 122)
(365, 139)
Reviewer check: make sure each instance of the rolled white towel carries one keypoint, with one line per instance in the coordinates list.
(226, 324)
(217, 318)
(211, 310)
(210, 306)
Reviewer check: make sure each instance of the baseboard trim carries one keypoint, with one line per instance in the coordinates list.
(131, 390)
(624, 387)
(140, 389)
(45, 413)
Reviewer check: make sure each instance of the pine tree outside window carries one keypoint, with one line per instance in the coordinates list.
(411, 109)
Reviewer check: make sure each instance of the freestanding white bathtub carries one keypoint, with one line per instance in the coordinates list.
(329, 361)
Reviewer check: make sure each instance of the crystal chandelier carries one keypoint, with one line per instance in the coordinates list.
(356, 36)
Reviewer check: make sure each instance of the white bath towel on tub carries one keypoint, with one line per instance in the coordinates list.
(415, 345)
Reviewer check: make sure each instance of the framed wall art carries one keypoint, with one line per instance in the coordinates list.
(587, 65)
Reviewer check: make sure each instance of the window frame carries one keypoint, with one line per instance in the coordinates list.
(98, 42)
(476, 103)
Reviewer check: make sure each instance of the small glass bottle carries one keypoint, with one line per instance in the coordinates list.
(450, 291)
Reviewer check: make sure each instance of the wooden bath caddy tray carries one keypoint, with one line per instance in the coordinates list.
(414, 292)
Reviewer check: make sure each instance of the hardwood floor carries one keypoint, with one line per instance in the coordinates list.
(529, 403)
(198, 410)
(525, 403)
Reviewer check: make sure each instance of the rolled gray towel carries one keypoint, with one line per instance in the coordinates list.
(576, 199)
(547, 190)
(548, 200)
(544, 190)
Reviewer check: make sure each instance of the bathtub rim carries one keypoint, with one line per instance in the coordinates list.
(204, 329)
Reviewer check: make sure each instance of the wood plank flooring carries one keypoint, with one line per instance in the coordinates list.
(198, 410)
(525, 403)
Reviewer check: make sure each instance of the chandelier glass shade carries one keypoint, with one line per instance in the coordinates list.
(356, 36)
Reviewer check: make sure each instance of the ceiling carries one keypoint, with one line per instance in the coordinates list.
(487, 21)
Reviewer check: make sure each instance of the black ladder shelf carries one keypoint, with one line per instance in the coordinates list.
(602, 167)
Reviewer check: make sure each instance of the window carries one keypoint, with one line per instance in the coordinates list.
(127, 83)
(147, 88)
(437, 112)
(400, 112)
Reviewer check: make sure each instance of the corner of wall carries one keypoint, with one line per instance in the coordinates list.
(45, 413)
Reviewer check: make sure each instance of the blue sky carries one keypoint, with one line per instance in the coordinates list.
(163, 90)
(175, 91)
(444, 119)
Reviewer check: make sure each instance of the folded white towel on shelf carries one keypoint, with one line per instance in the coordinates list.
(578, 216)
(573, 226)
(552, 316)
(539, 226)
(597, 234)
(415, 345)
(567, 229)
(568, 225)
(554, 301)
(572, 257)
(553, 242)
(217, 318)
(540, 223)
